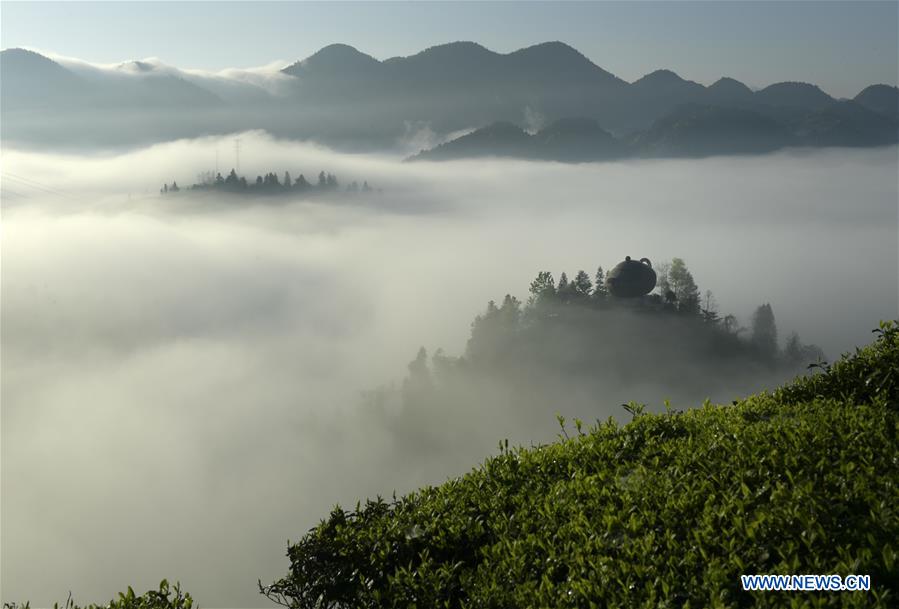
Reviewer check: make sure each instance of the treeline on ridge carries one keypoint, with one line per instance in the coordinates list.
(268, 184)
(573, 345)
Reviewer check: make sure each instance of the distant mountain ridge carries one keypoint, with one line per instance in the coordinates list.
(343, 97)
(691, 130)
(567, 140)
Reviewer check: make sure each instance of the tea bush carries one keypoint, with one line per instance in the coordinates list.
(666, 511)
(167, 597)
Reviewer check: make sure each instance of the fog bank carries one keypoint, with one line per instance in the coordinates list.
(182, 375)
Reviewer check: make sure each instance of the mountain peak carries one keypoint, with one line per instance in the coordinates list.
(727, 82)
(455, 49)
(20, 55)
(793, 94)
(883, 99)
(31, 65)
(660, 77)
(729, 89)
(334, 57)
(554, 47)
(558, 58)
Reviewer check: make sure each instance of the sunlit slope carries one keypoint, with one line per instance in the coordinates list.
(668, 510)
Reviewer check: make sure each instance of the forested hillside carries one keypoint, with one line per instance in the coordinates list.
(666, 511)
(574, 348)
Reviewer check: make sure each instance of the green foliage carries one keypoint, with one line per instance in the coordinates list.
(680, 281)
(867, 376)
(666, 511)
(167, 597)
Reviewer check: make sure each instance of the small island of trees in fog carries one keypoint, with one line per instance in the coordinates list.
(269, 184)
(574, 339)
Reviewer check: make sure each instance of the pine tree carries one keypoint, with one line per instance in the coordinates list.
(600, 291)
(563, 290)
(543, 289)
(764, 332)
(582, 287)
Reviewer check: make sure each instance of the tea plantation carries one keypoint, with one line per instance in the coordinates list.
(666, 511)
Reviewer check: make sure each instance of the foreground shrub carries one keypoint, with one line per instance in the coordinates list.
(167, 597)
(666, 511)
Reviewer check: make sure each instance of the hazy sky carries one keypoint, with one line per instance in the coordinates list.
(841, 46)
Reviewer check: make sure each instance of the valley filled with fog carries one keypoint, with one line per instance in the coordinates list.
(185, 377)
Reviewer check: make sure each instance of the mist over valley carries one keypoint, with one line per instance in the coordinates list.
(228, 352)
(510, 323)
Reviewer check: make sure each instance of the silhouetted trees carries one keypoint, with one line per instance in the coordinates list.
(600, 291)
(764, 332)
(542, 290)
(680, 282)
(581, 287)
(573, 341)
(582, 305)
(269, 184)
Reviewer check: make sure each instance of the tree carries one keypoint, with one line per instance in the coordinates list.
(481, 343)
(796, 354)
(563, 290)
(301, 183)
(287, 181)
(510, 313)
(419, 382)
(600, 291)
(174, 187)
(543, 289)
(492, 332)
(271, 181)
(793, 349)
(581, 287)
(662, 283)
(710, 308)
(680, 281)
(731, 326)
(764, 332)
(322, 180)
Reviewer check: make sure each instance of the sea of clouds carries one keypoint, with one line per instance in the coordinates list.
(182, 375)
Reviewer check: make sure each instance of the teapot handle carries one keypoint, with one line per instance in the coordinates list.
(646, 262)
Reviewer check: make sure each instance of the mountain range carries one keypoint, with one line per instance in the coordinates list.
(345, 98)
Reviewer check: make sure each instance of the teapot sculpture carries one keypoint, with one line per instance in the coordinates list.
(631, 279)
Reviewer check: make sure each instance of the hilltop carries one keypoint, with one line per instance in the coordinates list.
(667, 510)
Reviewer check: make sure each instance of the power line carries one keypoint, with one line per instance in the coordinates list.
(35, 185)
